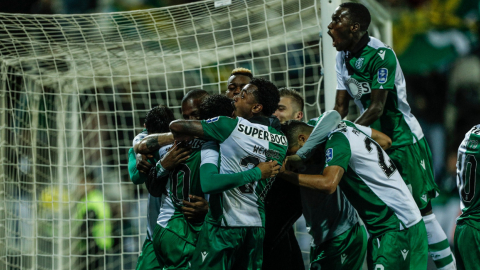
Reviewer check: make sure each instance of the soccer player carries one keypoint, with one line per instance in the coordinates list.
(232, 236)
(339, 241)
(368, 71)
(467, 233)
(176, 180)
(373, 185)
(212, 182)
(280, 246)
(238, 79)
(156, 121)
(290, 106)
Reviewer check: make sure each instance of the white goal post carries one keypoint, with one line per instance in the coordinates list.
(75, 89)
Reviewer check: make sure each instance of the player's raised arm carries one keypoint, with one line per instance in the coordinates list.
(153, 142)
(185, 130)
(327, 122)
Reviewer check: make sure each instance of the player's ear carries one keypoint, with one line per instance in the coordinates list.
(257, 108)
(299, 116)
(355, 27)
(302, 139)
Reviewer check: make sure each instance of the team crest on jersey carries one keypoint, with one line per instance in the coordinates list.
(359, 63)
(382, 75)
(211, 120)
(328, 155)
(357, 89)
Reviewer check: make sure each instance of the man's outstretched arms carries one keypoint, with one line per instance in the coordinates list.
(184, 130)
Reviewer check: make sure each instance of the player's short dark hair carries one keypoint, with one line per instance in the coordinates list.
(194, 94)
(294, 95)
(215, 105)
(358, 13)
(242, 71)
(292, 128)
(267, 95)
(158, 119)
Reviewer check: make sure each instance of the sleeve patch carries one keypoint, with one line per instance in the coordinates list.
(328, 155)
(382, 75)
(211, 120)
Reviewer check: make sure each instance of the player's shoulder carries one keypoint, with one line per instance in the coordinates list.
(377, 44)
(221, 119)
(346, 129)
(379, 50)
(140, 136)
(471, 142)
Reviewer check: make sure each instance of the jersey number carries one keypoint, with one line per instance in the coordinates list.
(180, 180)
(468, 174)
(248, 162)
(388, 170)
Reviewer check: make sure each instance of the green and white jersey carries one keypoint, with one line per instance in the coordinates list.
(371, 182)
(182, 181)
(376, 67)
(327, 216)
(468, 177)
(243, 144)
(153, 204)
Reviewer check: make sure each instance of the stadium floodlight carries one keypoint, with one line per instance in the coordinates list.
(75, 89)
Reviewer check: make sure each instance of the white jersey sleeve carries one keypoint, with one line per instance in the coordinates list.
(210, 153)
(338, 69)
(139, 137)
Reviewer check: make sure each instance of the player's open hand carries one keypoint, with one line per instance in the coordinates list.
(269, 169)
(143, 166)
(195, 209)
(293, 162)
(176, 155)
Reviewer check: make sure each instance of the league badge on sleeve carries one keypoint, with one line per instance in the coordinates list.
(211, 120)
(382, 75)
(328, 155)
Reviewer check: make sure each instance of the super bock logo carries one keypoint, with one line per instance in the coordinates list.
(359, 63)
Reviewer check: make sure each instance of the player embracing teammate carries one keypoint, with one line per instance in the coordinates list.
(378, 168)
(369, 73)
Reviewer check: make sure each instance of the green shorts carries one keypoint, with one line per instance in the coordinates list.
(402, 250)
(147, 259)
(467, 247)
(414, 163)
(220, 248)
(346, 251)
(171, 250)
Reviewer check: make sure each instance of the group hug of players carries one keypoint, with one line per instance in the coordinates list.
(227, 183)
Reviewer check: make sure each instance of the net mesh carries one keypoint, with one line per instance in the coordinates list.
(75, 90)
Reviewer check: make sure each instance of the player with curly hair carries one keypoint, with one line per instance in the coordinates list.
(233, 232)
(215, 105)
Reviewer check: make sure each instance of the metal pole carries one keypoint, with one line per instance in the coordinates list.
(329, 53)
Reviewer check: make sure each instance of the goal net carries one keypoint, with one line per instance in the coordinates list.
(75, 90)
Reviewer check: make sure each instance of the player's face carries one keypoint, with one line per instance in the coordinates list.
(235, 84)
(245, 101)
(287, 110)
(340, 30)
(190, 109)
